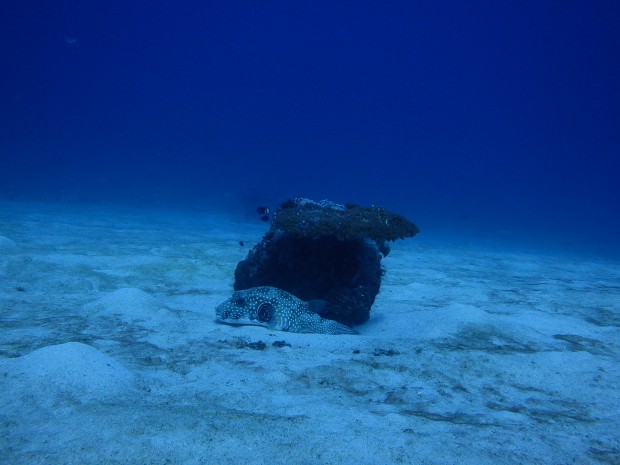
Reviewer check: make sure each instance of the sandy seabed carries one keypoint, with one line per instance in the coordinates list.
(109, 353)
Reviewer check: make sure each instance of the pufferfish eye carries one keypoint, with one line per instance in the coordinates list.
(240, 302)
(264, 312)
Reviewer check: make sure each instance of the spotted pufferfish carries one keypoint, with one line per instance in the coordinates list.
(276, 309)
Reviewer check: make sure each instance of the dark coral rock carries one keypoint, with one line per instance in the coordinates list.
(321, 251)
(314, 220)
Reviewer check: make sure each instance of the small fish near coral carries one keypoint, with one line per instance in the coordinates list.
(276, 309)
(264, 213)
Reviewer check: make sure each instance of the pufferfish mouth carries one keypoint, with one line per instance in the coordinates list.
(230, 319)
(227, 315)
(222, 313)
(235, 318)
(239, 321)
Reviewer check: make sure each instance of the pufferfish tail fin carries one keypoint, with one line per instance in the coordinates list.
(314, 323)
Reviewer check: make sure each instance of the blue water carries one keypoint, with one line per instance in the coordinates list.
(496, 121)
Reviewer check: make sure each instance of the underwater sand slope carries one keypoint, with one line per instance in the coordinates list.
(110, 353)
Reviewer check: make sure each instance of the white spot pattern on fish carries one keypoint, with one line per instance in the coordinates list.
(274, 308)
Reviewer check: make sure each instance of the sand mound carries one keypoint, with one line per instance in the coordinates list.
(7, 244)
(73, 370)
(130, 305)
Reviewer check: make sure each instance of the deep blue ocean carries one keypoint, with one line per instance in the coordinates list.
(494, 121)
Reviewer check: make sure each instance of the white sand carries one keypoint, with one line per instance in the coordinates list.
(110, 354)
